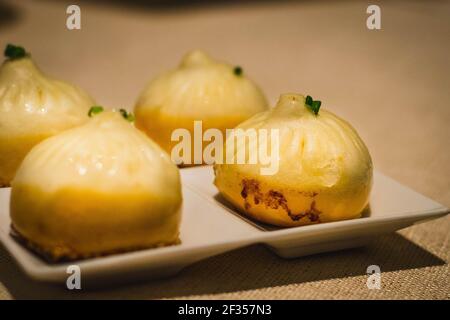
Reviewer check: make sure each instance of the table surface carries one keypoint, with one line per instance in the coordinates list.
(391, 84)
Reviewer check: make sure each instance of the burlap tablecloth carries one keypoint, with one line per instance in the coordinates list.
(392, 85)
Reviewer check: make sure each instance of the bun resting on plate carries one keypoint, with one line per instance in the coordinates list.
(324, 169)
(201, 88)
(32, 108)
(100, 188)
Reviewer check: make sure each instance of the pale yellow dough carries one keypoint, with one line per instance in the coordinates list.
(100, 188)
(324, 174)
(32, 108)
(199, 89)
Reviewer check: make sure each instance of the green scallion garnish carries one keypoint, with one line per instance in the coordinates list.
(238, 71)
(95, 110)
(313, 105)
(14, 52)
(127, 115)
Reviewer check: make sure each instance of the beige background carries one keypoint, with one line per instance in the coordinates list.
(392, 85)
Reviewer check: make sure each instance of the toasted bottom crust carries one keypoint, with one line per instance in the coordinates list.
(54, 255)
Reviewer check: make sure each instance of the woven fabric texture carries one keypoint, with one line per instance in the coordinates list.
(391, 85)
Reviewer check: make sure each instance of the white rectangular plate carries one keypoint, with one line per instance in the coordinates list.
(210, 227)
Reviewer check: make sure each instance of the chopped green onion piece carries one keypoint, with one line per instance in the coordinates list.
(126, 115)
(238, 71)
(316, 106)
(313, 105)
(130, 117)
(14, 52)
(95, 110)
